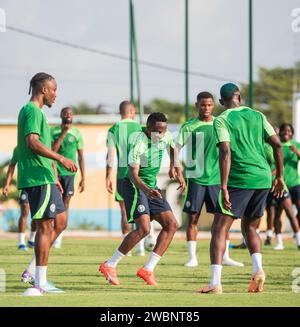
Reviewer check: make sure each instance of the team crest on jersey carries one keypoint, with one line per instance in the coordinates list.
(188, 204)
(161, 145)
(71, 139)
(52, 207)
(141, 208)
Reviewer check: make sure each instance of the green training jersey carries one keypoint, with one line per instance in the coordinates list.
(14, 158)
(120, 136)
(33, 169)
(72, 142)
(290, 162)
(202, 160)
(149, 156)
(246, 130)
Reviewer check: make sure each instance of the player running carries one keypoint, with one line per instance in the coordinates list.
(245, 181)
(201, 172)
(36, 174)
(68, 142)
(118, 142)
(143, 199)
(24, 207)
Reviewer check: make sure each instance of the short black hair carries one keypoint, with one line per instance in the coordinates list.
(38, 80)
(65, 108)
(284, 125)
(204, 95)
(123, 105)
(156, 117)
(227, 91)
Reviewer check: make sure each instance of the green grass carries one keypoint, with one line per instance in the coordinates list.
(75, 268)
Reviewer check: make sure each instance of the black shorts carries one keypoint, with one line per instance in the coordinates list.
(45, 201)
(244, 203)
(118, 194)
(137, 204)
(295, 193)
(197, 195)
(23, 197)
(67, 183)
(273, 201)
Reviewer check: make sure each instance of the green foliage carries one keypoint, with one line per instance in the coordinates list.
(83, 108)
(273, 92)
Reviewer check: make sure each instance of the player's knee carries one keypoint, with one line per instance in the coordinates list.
(172, 225)
(144, 231)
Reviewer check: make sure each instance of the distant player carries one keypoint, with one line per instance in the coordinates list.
(24, 207)
(118, 142)
(68, 142)
(202, 174)
(36, 174)
(245, 181)
(143, 200)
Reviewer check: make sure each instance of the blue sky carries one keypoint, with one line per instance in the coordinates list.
(218, 46)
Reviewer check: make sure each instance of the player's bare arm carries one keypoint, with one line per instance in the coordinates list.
(81, 163)
(225, 163)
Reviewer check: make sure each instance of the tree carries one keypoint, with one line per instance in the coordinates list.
(83, 108)
(273, 92)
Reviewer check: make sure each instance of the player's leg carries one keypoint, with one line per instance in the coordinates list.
(192, 206)
(227, 261)
(270, 222)
(25, 209)
(169, 227)
(278, 228)
(288, 207)
(32, 234)
(126, 228)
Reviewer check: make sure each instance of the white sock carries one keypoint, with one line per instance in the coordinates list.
(115, 259)
(269, 233)
(40, 276)
(152, 261)
(297, 235)
(192, 245)
(31, 267)
(226, 253)
(59, 238)
(279, 239)
(32, 236)
(21, 237)
(216, 273)
(256, 262)
(140, 246)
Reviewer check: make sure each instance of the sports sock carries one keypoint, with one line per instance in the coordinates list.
(152, 261)
(279, 239)
(41, 276)
(32, 236)
(269, 233)
(216, 273)
(21, 237)
(297, 235)
(115, 259)
(192, 245)
(256, 262)
(32, 266)
(226, 253)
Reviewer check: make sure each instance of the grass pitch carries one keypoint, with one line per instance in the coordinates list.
(75, 268)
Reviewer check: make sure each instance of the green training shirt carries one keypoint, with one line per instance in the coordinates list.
(246, 130)
(33, 169)
(199, 139)
(149, 156)
(120, 136)
(14, 158)
(290, 162)
(72, 142)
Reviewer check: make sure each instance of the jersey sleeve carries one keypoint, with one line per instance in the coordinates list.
(170, 141)
(136, 152)
(268, 129)
(14, 158)
(221, 130)
(80, 142)
(111, 138)
(180, 138)
(33, 122)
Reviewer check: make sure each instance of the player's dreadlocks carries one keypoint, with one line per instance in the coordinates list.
(37, 81)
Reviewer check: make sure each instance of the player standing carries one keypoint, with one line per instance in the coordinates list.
(245, 181)
(68, 142)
